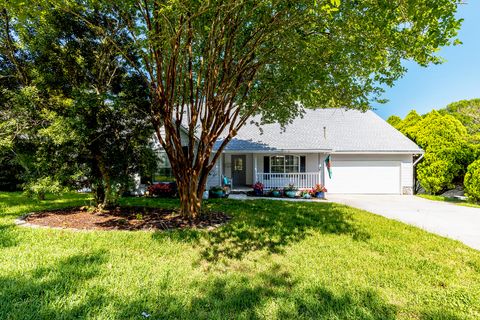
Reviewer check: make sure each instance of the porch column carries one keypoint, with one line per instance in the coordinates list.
(321, 158)
(254, 168)
(220, 169)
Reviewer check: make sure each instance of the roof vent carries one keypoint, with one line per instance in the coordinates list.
(324, 132)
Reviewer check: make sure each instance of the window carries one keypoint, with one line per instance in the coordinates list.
(238, 165)
(284, 164)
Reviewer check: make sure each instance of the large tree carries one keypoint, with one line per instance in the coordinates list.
(71, 109)
(211, 65)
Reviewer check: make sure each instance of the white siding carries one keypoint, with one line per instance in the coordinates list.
(311, 162)
(215, 176)
(407, 174)
(183, 137)
(227, 165)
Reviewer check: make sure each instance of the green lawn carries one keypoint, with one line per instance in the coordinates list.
(448, 199)
(273, 260)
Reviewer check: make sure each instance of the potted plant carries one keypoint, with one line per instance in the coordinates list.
(290, 191)
(276, 192)
(319, 191)
(305, 194)
(216, 192)
(226, 191)
(258, 188)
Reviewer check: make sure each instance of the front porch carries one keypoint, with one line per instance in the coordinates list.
(273, 170)
(301, 180)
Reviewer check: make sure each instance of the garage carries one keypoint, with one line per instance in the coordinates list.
(364, 177)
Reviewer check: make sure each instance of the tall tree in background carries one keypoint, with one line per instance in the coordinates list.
(468, 113)
(211, 65)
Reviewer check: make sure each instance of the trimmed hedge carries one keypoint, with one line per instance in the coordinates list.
(472, 181)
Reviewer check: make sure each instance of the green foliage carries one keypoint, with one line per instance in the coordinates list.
(73, 113)
(10, 172)
(407, 125)
(467, 112)
(394, 121)
(435, 131)
(472, 181)
(447, 152)
(42, 186)
(438, 170)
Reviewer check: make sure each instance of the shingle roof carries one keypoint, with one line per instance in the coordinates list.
(345, 131)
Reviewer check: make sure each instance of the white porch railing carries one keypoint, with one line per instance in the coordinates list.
(301, 180)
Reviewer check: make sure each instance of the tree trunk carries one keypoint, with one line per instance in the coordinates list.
(190, 199)
(99, 193)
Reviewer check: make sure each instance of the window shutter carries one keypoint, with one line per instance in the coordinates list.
(302, 163)
(266, 164)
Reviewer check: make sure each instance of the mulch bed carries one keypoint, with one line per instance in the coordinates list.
(124, 218)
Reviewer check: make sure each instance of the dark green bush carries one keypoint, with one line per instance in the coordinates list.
(472, 181)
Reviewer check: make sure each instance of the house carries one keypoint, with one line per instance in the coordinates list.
(368, 156)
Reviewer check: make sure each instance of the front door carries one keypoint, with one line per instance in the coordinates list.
(239, 172)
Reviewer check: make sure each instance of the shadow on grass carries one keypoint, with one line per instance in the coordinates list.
(267, 225)
(271, 294)
(48, 292)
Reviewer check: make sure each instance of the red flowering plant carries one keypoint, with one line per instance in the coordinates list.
(319, 188)
(258, 188)
(162, 189)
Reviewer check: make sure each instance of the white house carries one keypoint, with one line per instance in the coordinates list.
(368, 156)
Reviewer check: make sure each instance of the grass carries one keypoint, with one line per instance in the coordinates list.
(274, 260)
(449, 199)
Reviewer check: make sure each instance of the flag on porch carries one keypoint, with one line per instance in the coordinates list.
(328, 164)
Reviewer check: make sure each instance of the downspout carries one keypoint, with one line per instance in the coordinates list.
(415, 173)
(418, 160)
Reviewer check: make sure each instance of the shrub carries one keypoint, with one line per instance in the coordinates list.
(319, 188)
(258, 186)
(42, 186)
(162, 189)
(290, 187)
(472, 181)
(438, 170)
(216, 189)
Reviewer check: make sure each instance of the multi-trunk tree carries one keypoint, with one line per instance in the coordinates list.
(211, 65)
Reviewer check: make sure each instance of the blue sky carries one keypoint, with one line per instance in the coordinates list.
(424, 89)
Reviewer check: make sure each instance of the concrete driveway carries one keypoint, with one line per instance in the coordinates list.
(445, 219)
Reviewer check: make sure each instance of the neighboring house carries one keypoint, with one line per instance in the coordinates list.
(368, 156)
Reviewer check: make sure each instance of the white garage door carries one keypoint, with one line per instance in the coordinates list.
(368, 177)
